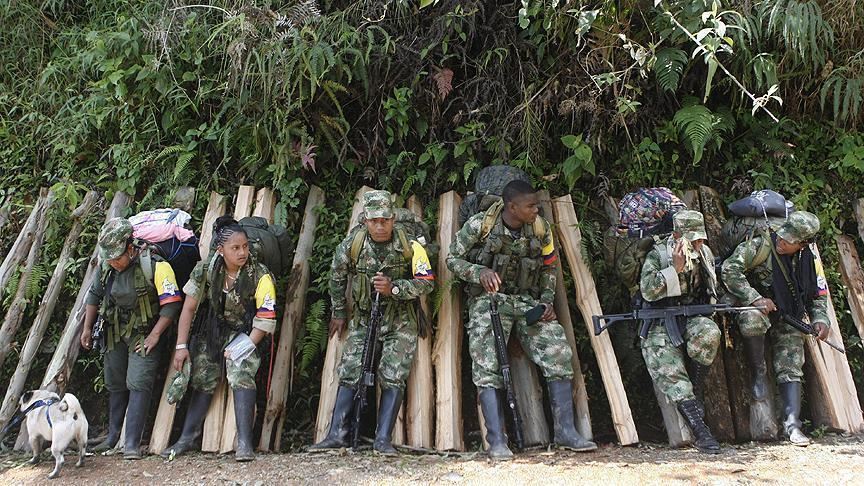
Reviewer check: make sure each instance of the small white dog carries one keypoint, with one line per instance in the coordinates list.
(58, 420)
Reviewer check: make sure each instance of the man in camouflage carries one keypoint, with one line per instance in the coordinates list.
(679, 270)
(507, 253)
(381, 259)
(778, 272)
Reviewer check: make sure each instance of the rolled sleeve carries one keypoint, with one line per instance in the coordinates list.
(673, 284)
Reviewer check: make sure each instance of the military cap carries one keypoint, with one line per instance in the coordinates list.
(113, 238)
(799, 227)
(178, 385)
(689, 224)
(377, 204)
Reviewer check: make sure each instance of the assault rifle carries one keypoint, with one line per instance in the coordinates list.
(808, 329)
(669, 315)
(97, 335)
(504, 363)
(367, 373)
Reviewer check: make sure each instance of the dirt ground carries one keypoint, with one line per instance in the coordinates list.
(831, 460)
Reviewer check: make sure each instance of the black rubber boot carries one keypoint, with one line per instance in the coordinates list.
(337, 437)
(790, 394)
(566, 435)
(493, 415)
(136, 417)
(388, 410)
(192, 424)
(244, 414)
(754, 349)
(117, 403)
(694, 414)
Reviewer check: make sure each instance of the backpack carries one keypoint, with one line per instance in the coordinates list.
(164, 232)
(408, 226)
(645, 218)
(759, 213)
(270, 244)
(488, 187)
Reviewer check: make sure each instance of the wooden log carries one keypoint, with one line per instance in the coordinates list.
(562, 309)
(329, 373)
(292, 320)
(22, 244)
(218, 421)
(859, 216)
(265, 204)
(529, 394)
(46, 309)
(570, 238)
(15, 313)
(677, 431)
(184, 198)
(420, 398)
(447, 350)
(853, 277)
(4, 218)
(164, 421)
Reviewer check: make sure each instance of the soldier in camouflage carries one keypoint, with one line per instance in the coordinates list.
(382, 258)
(233, 300)
(137, 298)
(679, 270)
(778, 272)
(507, 253)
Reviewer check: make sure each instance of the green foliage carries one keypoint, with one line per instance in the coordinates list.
(698, 125)
(315, 340)
(579, 161)
(669, 65)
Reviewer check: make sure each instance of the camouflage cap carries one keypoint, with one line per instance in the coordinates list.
(377, 204)
(800, 226)
(689, 224)
(113, 237)
(178, 385)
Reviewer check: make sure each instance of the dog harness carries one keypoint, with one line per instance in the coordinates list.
(33, 406)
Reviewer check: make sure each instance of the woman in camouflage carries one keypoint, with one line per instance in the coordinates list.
(238, 311)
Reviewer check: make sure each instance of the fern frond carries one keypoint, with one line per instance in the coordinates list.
(181, 167)
(315, 340)
(695, 123)
(669, 65)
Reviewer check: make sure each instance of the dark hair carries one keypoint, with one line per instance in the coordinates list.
(516, 188)
(224, 227)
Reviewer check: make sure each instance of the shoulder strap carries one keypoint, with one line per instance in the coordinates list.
(490, 218)
(146, 262)
(407, 250)
(357, 245)
(764, 250)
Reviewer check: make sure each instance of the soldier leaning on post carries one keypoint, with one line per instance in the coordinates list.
(679, 270)
(135, 312)
(777, 271)
(514, 264)
(382, 267)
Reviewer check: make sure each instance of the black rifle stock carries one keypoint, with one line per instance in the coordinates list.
(669, 315)
(808, 329)
(504, 363)
(367, 374)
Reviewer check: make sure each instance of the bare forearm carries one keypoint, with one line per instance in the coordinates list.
(184, 324)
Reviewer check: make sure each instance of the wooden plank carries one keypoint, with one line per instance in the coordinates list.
(419, 399)
(529, 394)
(447, 350)
(244, 202)
(853, 277)
(292, 321)
(570, 238)
(22, 243)
(164, 421)
(677, 430)
(859, 216)
(265, 204)
(329, 373)
(46, 308)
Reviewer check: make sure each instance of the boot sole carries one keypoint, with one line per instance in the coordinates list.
(578, 449)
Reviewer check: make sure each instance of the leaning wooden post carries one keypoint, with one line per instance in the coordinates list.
(15, 313)
(447, 351)
(164, 421)
(22, 243)
(329, 373)
(216, 415)
(853, 277)
(859, 216)
(292, 319)
(589, 305)
(46, 309)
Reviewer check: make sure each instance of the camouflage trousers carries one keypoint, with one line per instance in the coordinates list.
(544, 342)
(787, 343)
(665, 362)
(206, 373)
(127, 370)
(397, 340)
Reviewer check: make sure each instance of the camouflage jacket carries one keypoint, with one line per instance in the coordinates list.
(659, 279)
(468, 246)
(743, 274)
(414, 278)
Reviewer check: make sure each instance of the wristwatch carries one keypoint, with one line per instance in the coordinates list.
(394, 290)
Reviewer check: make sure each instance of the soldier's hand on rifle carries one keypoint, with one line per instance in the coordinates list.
(822, 329)
(490, 280)
(336, 325)
(382, 284)
(548, 313)
(679, 256)
(86, 338)
(766, 304)
(180, 357)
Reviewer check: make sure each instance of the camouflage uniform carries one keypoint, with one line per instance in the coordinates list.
(398, 332)
(524, 259)
(261, 292)
(747, 275)
(660, 283)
